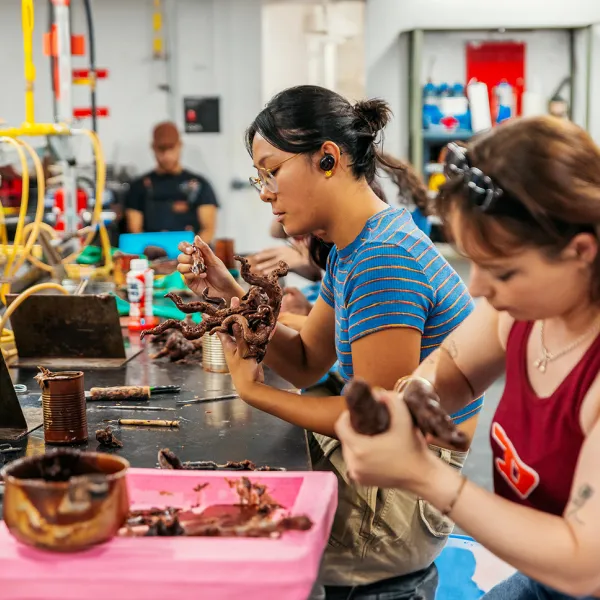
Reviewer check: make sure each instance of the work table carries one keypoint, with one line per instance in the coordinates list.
(220, 431)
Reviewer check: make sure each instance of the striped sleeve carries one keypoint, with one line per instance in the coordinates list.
(386, 289)
(469, 411)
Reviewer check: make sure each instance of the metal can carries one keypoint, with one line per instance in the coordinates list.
(213, 357)
(64, 408)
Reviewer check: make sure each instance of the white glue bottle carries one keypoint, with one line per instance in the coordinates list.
(140, 289)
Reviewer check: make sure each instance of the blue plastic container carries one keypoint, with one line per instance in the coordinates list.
(134, 243)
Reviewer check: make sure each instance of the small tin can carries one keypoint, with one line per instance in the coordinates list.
(213, 357)
(64, 408)
(224, 249)
(122, 265)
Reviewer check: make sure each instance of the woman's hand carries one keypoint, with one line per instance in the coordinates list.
(292, 321)
(216, 278)
(294, 301)
(295, 256)
(245, 372)
(397, 458)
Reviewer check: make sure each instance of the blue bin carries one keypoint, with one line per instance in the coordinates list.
(134, 243)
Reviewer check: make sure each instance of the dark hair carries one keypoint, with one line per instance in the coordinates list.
(301, 119)
(410, 186)
(548, 165)
(318, 251)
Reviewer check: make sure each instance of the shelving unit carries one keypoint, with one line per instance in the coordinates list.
(424, 145)
(434, 140)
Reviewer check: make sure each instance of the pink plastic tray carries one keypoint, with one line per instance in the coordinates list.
(184, 568)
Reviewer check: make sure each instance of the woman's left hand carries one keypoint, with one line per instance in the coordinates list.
(245, 372)
(397, 458)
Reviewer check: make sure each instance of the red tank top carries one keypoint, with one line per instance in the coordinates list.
(536, 441)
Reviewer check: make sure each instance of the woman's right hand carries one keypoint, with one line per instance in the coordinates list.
(216, 278)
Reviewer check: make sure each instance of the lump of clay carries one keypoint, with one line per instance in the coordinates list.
(176, 347)
(107, 438)
(370, 417)
(255, 317)
(367, 416)
(167, 459)
(154, 252)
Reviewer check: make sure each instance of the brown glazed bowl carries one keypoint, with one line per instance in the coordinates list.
(65, 500)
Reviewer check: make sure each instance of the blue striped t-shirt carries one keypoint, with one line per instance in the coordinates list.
(392, 275)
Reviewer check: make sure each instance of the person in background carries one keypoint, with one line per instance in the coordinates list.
(387, 301)
(523, 203)
(171, 198)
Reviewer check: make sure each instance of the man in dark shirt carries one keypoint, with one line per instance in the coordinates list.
(171, 198)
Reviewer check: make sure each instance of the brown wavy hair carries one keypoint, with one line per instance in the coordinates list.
(410, 186)
(552, 167)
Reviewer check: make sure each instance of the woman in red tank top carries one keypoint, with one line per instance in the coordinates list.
(523, 203)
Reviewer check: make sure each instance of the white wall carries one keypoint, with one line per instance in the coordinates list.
(388, 79)
(293, 50)
(217, 52)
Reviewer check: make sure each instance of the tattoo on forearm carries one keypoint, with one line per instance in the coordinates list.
(584, 493)
(451, 348)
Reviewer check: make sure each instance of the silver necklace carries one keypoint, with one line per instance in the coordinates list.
(542, 363)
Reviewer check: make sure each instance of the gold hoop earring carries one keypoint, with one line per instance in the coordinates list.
(328, 174)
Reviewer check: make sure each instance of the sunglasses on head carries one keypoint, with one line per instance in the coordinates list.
(481, 190)
(490, 198)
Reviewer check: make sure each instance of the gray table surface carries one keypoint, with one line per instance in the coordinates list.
(219, 431)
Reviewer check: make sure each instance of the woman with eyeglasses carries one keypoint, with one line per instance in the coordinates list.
(523, 203)
(388, 299)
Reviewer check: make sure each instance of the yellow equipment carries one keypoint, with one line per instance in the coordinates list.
(26, 236)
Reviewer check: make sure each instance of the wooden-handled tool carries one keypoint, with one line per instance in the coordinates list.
(149, 423)
(130, 392)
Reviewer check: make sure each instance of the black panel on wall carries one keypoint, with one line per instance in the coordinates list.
(201, 114)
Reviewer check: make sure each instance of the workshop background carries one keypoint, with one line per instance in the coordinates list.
(242, 51)
(161, 56)
(447, 69)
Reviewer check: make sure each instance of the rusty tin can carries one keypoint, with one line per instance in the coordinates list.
(64, 408)
(224, 249)
(65, 500)
(122, 265)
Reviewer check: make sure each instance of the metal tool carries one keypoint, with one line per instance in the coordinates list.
(8, 449)
(134, 408)
(211, 399)
(209, 465)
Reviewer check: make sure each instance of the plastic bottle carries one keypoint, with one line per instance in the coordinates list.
(505, 101)
(140, 288)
